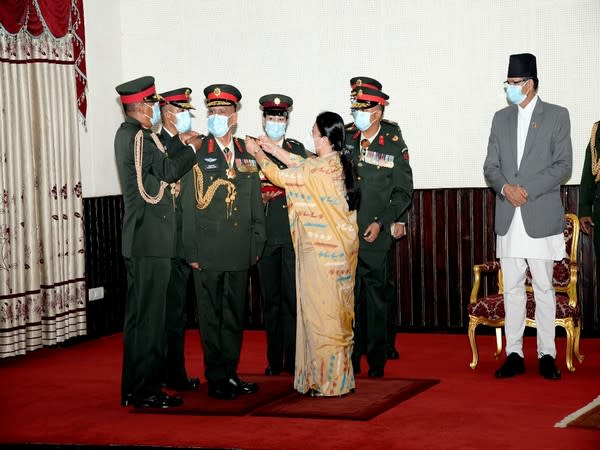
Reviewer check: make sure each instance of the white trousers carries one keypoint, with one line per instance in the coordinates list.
(515, 300)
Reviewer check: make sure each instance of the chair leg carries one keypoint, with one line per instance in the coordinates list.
(473, 342)
(570, 344)
(498, 342)
(576, 334)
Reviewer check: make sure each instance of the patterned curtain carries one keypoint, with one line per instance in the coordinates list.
(42, 278)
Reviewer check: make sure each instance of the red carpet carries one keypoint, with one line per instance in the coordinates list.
(371, 398)
(71, 395)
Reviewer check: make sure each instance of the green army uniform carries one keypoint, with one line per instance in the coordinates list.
(277, 266)
(174, 373)
(148, 243)
(589, 191)
(385, 179)
(223, 231)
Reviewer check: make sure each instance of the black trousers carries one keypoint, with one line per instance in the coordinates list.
(174, 370)
(371, 310)
(144, 336)
(277, 271)
(221, 298)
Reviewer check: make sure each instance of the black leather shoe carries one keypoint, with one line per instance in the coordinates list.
(161, 400)
(375, 373)
(222, 390)
(243, 387)
(270, 370)
(514, 365)
(187, 384)
(548, 368)
(392, 353)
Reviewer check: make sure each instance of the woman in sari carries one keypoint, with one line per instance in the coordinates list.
(322, 197)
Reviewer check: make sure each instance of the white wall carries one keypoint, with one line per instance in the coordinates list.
(441, 61)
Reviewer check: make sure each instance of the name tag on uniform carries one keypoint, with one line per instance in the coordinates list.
(246, 165)
(379, 159)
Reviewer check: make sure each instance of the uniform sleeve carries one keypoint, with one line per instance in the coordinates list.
(588, 186)
(282, 177)
(259, 233)
(168, 168)
(402, 192)
(188, 206)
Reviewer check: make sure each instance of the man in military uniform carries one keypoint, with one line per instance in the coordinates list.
(381, 159)
(148, 241)
(398, 227)
(589, 191)
(277, 267)
(175, 109)
(224, 234)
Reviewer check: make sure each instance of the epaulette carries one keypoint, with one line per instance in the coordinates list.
(349, 126)
(238, 145)
(294, 141)
(390, 122)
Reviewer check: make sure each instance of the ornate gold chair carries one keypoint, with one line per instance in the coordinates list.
(490, 310)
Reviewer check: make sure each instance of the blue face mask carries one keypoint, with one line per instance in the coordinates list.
(275, 130)
(183, 121)
(514, 94)
(362, 120)
(155, 119)
(218, 125)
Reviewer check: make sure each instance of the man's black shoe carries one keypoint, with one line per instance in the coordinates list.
(548, 368)
(161, 400)
(375, 373)
(514, 365)
(187, 384)
(222, 390)
(243, 387)
(270, 370)
(392, 353)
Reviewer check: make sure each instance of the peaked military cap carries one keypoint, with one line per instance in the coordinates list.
(276, 104)
(358, 82)
(367, 97)
(222, 95)
(177, 97)
(522, 65)
(139, 90)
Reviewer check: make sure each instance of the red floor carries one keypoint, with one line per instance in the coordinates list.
(71, 395)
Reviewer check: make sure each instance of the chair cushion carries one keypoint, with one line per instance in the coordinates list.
(492, 307)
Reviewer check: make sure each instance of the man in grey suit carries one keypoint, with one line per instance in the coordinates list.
(529, 155)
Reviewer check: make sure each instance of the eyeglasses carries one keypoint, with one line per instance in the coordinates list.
(516, 82)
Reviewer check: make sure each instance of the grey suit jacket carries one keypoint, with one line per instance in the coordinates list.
(546, 164)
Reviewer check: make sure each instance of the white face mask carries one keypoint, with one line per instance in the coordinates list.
(310, 144)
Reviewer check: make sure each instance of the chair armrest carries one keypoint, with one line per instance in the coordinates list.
(572, 289)
(478, 269)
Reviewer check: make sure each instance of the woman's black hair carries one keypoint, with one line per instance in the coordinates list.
(331, 126)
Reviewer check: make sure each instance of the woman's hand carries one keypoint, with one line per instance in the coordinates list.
(252, 145)
(267, 145)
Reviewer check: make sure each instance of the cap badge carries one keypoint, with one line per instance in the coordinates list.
(359, 82)
(277, 100)
(217, 92)
(187, 92)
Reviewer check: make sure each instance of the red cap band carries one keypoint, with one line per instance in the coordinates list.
(273, 105)
(222, 96)
(372, 86)
(177, 98)
(371, 98)
(138, 96)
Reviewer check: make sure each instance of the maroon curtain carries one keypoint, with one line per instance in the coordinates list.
(59, 17)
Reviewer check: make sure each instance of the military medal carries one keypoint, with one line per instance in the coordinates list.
(231, 173)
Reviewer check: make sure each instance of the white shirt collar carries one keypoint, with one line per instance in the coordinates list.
(372, 137)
